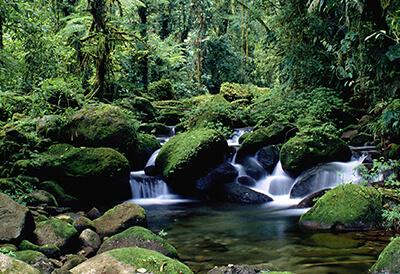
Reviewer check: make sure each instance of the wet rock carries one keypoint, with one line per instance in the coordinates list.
(247, 181)
(57, 232)
(389, 260)
(311, 199)
(130, 260)
(225, 173)
(81, 223)
(16, 221)
(238, 193)
(333, 241)
(139, 237)
(252, 167)
(268, 157)
(346, 207)
(11, 265)
(120, 218)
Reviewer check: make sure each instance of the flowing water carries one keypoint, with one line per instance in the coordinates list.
(211, 234)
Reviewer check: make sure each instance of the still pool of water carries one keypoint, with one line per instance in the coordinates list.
(208, 235)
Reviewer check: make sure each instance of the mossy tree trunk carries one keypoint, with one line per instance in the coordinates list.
(144, 61)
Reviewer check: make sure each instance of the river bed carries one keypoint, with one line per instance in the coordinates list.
(215, 234)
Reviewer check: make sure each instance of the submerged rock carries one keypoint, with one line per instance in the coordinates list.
(188, 156)
(10, 265)
(139, 237)
(346, 207)
(120, 218)
(245, 269)
(389, 260)
(16, 221)
(131, 260)
(306, 150)
(268, 157)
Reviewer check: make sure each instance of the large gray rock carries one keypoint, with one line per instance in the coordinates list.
(57, 232)
(16, 221)
(10, 265)
(237, 193)
(120, 218)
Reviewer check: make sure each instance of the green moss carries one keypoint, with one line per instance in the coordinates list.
(333, 241)
(276, 133)
(12, 266)
(49, 250)
(189, 154)
(349, 206)
(161, 90)
(60, 228)
(389, 259)
(144, 235)
(102, 126)
(155, 129)
(309, 148)
(233, 91)
(29, 256)
(141, 108)
(150, 260)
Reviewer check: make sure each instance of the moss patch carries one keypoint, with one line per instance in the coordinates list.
(310, 148)
(389, 259)
(348, 207)
(189, 155)
(139, 237)
(150, 260)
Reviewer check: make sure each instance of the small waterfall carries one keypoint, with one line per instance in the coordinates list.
(233, 141)
(152, 159)
(144, 186)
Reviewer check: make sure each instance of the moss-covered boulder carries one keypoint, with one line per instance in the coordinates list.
(41, 197)
(155, 128)
(233, 92)
(56, 232)
(102, 126)
(50, 250)
(147, 144)
(51, 126)
(139, 237)
(189, 156)
(215, 112)
(142, 108)
(346, 207)
(130, 260)
(86, 173)
(120, 218)
(9, 265)
(161, 90)
(59, 193)
(36, 259)
(309, 148)
(274, 134)
(16, 221)
(171, 112)
(389, 260)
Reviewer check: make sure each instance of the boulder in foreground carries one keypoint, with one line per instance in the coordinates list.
(131, 260)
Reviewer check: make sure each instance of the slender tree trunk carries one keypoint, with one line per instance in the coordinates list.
(1, 32)
(144, 61)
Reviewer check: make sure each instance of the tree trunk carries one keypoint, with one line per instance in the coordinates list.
(144, 61)
(1, 32)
